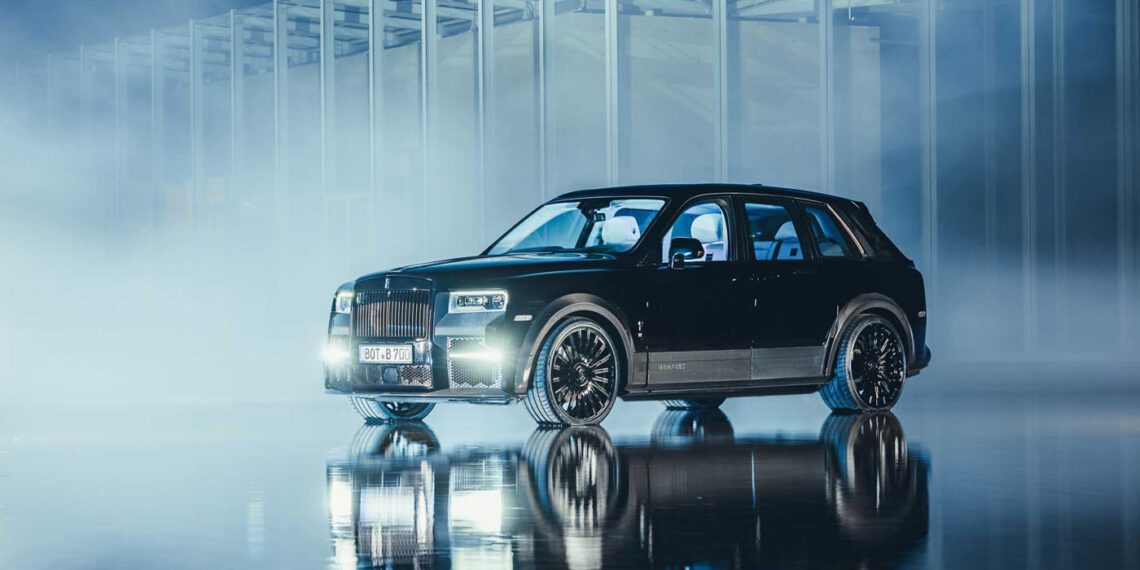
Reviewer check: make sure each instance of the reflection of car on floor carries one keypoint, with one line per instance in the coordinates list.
(693, 495)
(683, 294)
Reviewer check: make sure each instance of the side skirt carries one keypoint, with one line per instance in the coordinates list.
(726, 389)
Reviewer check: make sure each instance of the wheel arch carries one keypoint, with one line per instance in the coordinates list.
(608, 315)
(868, 303)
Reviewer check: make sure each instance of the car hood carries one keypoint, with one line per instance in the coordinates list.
(486, 270)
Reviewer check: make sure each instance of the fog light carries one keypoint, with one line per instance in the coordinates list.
(485, 355)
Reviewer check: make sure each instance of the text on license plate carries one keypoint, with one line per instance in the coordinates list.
(386, 353)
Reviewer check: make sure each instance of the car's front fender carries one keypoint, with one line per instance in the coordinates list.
(609, 315)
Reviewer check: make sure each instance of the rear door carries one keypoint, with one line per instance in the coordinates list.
(837, 273)
(786, 292)
(697, 313)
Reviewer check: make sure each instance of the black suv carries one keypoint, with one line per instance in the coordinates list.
(686, 294)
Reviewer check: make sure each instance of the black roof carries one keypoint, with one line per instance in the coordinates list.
(685, 191)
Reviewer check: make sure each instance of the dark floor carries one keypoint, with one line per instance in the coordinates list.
(980, 467)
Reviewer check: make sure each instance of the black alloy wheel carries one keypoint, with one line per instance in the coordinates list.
(878, 365)
(576, 375)
(870, 368)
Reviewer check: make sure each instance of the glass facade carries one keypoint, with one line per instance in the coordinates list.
(995, 141)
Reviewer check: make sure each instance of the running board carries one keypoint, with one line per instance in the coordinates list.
(727, 389)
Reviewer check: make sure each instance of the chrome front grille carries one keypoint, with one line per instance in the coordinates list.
(395, 314)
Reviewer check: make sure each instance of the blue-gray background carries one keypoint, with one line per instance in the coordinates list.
(173, 225)
(170, 239)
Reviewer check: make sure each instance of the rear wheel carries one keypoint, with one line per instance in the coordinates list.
(870, 368)
(376, 411)
(575, 376)
(695, 404)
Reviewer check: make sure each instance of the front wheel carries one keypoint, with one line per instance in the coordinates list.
(376, 411)
(870, 368)
(575, 376)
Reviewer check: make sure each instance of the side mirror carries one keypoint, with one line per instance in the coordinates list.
(681, 249)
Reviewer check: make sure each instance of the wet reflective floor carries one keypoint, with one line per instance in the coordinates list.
(993, 467)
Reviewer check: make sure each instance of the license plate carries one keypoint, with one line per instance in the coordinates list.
(386, 354)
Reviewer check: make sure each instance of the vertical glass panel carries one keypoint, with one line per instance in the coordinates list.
(667, 103)
(878, 112)
(64, 103)
(255, 130)
(99, 127)
(401, 207)
(350, 192)
(513, 178)
(135, 177)
(1087, 132)
(306, 216)
(978, 120)
(577, 80)
(215, 205)
(455, 204)
(173, 133)
(774, 93)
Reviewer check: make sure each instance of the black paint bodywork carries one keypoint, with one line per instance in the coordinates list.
(736, 327)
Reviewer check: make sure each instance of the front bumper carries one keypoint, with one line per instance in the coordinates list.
(460, 357)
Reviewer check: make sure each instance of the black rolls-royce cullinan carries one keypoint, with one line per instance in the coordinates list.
(686, 294)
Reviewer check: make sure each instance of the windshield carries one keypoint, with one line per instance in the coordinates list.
(608, 225)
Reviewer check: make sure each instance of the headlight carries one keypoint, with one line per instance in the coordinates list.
(478, 301)
(344, 302)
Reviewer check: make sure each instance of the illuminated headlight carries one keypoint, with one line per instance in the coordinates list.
(336, 351)
(478, 301)
(344, 302)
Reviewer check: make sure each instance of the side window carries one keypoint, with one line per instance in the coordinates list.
(829, 239)
(772, 232)
(706, 222)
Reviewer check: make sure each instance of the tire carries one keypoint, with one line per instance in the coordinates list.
(376, 411)
(696, 404)
(686, 428)
(576, 375)
(577, 483)
(861, 383)
(401, 440)
(872, 482)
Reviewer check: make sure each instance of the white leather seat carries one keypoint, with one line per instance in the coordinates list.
(709, 230)
(788, 242)
(621, 230)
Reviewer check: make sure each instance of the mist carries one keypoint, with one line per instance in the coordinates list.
(174, 238)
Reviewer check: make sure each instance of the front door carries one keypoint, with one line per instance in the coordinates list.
(695, 331)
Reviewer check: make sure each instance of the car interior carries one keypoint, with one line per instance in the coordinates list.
(704, 222)
(773, 234)
(830, 241)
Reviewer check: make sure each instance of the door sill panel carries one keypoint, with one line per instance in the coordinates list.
(793, 362)
(727, 389)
